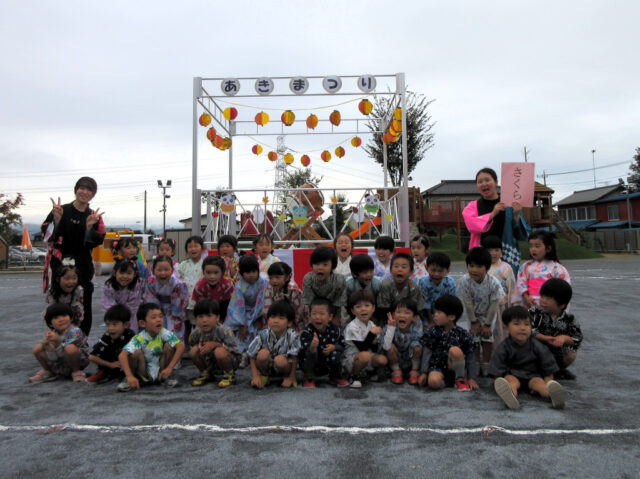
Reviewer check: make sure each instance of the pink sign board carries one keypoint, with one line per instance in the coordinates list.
(518, 183)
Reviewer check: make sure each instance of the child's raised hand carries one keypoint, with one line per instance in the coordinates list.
(473, 384)
(328, 349)
(390, 320)
(377, 330)
(315, 342)
(57, 210)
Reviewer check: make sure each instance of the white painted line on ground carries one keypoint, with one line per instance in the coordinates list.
(212, 428)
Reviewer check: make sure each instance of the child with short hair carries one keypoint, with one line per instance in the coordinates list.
(106, 351)
(64, 351)
(436, 283)
(321, 281)
(399, 286)
(401, 341)
(125, 287)
(128, 248)
(322, 346)
(555, 327)
(152, 354)
(361, 338)
(167, 247)
(362, 276)
(213, 345)
(214, 285)
(480, 293)
(263, 248)
(274, 351)
(65, 289)
(190, 272)
(420, 249)
(447, 356)
(523, 361)
(280, 287)
(343, 244)
(503, 272)
(383, 246)
(228, 250)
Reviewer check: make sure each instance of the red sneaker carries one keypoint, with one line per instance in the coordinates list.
(413, 377)
(95, 378)
(308, 383)
(339, 382)
(396, 377)
(462, 384)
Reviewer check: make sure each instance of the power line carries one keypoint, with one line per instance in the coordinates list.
(586, 169)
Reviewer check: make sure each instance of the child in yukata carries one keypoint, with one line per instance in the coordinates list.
(64, 350)
(362, 339)
(321, 281)
(401, 341)
(481, 293)
(362, 277)
(128, 249)
(447, 356)
(263, 248)
(274, 351)
(282, 287)
(399, 286)
(503, 272)
(215, 285)
(106, 351)
(420, 249)
(228, 250)
(343, 244)
(152, 354)
(322, 346)
(555, 327)
(190, 272)
(521, 361)
(65, 289)
(383, 246)
(436, 283)
(213, 345)
(124, 287)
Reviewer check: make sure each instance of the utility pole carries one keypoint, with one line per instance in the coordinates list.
(544, 176)
(164, 205)
(525, 153)
(145, 211)
(593, 159)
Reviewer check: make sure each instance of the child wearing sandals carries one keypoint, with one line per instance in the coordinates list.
(401, 341)
(521, 361)
(64, 351)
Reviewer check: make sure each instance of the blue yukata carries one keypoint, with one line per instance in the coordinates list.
(286, 345)
(405, 342)
(381, 271)
(172, 298)
(319, 364)
(437, 342)
(432, 291)
(245, 310)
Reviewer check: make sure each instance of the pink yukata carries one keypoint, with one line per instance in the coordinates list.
(533, 274)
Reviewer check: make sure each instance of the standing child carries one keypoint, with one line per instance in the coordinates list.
(124, 287)
(503, 272)
(282, 287)
(152, 354)
(64, 351)
(106, 351)
(401, 341)
(361, 338)
(436, 283)
(420, 248)
(170, 294)
(228, 250)
(213, 345)
(214, 285)
(555, 327)
(127, 248)
(274, 351)
(190, 272)
(167, 247)
(522, 361)
(399, 286)
(448, 356)
(480, 292)
(66, 290)
(544, 264)
(322, 346)
(343, 244)
(263, 248)
(383, 246)
(321, 281)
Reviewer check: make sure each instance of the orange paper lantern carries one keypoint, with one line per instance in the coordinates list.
(365, 107)
(226, 143)
(273, 156)
(334, 118)
(393, 131)
(217, 141)
(312, 121)
(326, 156)
(262, 118)
(211, 134)
(256, 150)
(397, 125)
(356, 141)
(288, 158)
(230, 113)
(397, 114)
(205, 119)
(339, 152)
(305, 160)
(288, 117)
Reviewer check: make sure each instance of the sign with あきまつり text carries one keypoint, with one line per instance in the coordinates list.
(518, 184)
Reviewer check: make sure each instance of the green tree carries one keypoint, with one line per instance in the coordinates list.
(419, 135)
(8, 217)
(634, 174)
(298, 177)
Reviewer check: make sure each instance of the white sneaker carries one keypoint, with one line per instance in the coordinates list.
(124, 387)
(171, 382)
(557, 394)
(356, 384)
(503, 389)
(177, 366)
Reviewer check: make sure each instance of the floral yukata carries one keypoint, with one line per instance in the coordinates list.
(419, 270)
(533, 274)
(131, 298)
(294, 297)
(190, 273)
(172, 298)
(151, 348)
(245, 310)
(74, 299)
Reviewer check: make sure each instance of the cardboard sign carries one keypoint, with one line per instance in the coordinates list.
(518, 183)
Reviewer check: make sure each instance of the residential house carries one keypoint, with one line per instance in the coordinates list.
(601, 208)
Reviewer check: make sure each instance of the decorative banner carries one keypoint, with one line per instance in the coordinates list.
(367, 83)
(339, 152)
(265, 200)
(272, 155)
(230, 113)
(227, 203)
(365, 107)
(288, 117)
(312, 121)
(372, 204)
(299, 215)
(256, 150)
(332, 84)
(230, 86)
(356, 141)
(334, 118)
(388, 217)
(264, 86)
(326, 156)
(261, 118)
(288, 158)
(305, 160)
(205, 119)
(211, 134)
(299, 85)
(518, 184)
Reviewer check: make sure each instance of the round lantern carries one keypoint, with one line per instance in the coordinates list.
(397, 125)
(312, 121)
(256, 150)
(397, 114)
(365, 107)
(334, 118)
(211, 134)
(305, 160)
(393, 131)
(339, 152)
(230, 113)
(356, 141)
(218, 140)
(387, 138)
(226, 143)
(205, 119)
(262, 118)
(326, 156)
(288, 117)
(288, 158)
(273, 156)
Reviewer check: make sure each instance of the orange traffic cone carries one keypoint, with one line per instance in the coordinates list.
(26, 240)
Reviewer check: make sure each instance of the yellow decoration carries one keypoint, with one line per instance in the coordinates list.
(335, 118)
(230, 113)
(356, 141)
(288, 117)
(282, 217)
(334, 199)
(205, 119)
(339, 152)
(312, 121)
(288, 158)
(226, 143)
(256, 150)
(326, 156)
(305, 160)
(273, 156)
(397, 114)
(365, 107)
(393, 132)
(265, 200)
(262, 118)
(397, 125)
(388, 217)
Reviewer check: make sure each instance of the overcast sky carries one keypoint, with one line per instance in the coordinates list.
(105, 89)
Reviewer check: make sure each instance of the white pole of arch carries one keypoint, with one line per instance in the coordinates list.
(404, 192)
(195, 198)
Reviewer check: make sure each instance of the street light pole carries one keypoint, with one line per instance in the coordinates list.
(164, 205)
(593, 159)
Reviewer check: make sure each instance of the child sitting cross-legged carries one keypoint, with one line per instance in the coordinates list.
(361, 338)
(64, 351)
(213, 345)
(402, 341)
(322, 346)
(522, 361)
(447, 355)
(106, 351)
(152, 354)
(274, 351)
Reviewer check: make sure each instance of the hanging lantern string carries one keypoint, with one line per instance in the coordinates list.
(305, 151)
(294, 109)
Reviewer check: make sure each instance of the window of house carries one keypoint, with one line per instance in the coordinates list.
(612, 213)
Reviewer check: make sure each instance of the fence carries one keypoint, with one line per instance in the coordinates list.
(615, 241)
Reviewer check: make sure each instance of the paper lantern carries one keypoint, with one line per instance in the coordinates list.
(288, 158)
(397, 114)
(397, 125)
(393, 138)
(387, 138)
(205, 119)
(262, 118)
(365, 107)
(230, 113)
(334, 118)
(256, 150)
(211, 134)
(339, 152)
(312, 121)
(305, 160)
(273, 156)
(226, 143)
(393, 131)
(326, 156)
(218, 140)
(356, 141)
(288, 117)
